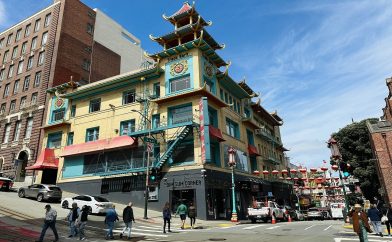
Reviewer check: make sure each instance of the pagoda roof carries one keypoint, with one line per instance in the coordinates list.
(229, 84)
(258, 109)
(185, 11)
(199, 43)
(247, 88)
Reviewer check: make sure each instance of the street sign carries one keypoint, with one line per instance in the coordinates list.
(149, 140)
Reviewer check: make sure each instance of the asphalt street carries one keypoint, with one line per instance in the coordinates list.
(21, 220)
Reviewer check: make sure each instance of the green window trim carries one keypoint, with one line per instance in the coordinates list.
(128, 97)
(156, 121)
(54, 140)
(70, 138)
(186, 118)
(232, 128)
(92, 134)
(127, 126)
(73, 111)
(95, 105)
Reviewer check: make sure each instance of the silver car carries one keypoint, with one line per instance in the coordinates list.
(41, 192)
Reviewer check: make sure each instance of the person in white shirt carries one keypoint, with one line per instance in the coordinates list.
(50, 221)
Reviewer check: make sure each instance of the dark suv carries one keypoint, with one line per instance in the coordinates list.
(41, 192)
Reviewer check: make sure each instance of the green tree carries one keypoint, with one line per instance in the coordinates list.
(355, 148)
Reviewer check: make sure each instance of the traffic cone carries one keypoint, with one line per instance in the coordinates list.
(273, 221)
(289, 220)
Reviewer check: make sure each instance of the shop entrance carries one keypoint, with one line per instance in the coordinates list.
(178, 196)
(218, 204)
(49, 176)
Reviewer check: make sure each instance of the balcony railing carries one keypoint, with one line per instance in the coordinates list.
(264, 133)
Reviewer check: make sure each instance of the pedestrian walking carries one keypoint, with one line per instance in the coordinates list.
(128, 219)
(192, 214)
(166, 217)
(360, 222)
(82, 222)
(50, 222)
(388, 223)
(73, 214)
(375, 218)
(182, 211)
(110, 219)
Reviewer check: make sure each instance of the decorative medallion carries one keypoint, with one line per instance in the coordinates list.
(179, 67)
(209, 70)
(59, 102)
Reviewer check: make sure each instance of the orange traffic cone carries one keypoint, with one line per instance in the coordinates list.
(273, 221)
(289, 220)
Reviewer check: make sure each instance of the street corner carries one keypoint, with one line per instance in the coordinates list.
(226, 225)
(348, 226)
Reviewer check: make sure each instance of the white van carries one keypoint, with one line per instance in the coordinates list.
(337, 210)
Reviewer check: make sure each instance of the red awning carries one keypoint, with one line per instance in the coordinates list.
(253, 150)
(216, 133)
(99, 145)
(46, 160)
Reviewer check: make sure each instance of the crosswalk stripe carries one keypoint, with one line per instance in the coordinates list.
(274, 227)
(145, 234)
(352, 239)
(328, 227)
(309, 227)
(255, 226)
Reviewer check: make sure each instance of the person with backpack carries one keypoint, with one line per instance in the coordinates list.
(110, 219)
(166, 217)
(82, 222)
(128, 219)
(73, 214)
(192, 214)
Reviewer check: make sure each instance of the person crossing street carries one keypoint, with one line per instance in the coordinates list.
(50, 222)
(182, 211)
(128, 219)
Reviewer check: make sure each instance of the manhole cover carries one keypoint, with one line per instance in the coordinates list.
(217, 239)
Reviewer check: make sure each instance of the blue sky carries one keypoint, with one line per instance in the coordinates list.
(320, 64)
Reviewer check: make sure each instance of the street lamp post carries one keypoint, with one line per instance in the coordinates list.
(337, 157)
(232, 164)
(148, 149)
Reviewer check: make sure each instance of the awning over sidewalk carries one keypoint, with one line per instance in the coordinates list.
(46, 160)
(253, 150)
(99, 145)
(216, 133)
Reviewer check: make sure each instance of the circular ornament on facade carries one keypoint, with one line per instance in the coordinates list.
(178, 68)
(59, 102)
(209, 70)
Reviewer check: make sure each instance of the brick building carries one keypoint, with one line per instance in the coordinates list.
(381, 139)
(64, 41)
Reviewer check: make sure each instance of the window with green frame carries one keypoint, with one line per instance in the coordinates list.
(180, 114)
(180, 83)
(215, 153)
(157, 89)
(70, 138)
(73, 111)
(250, 137)
(184, 152)
(232, 128)
(213, 116)
(127, 127)
(222, 94)
(92, 134)
(54, 140)
(129, 97)
(95, 105)
(156, 121)
(253, 163)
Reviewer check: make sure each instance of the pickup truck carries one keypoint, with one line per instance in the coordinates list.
(264, 211)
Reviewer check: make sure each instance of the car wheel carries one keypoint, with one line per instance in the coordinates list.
(21, 193)
(64, 204)
(40, 197)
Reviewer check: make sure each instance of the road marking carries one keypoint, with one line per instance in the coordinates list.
(145, 234)
(274, 227)
(328, 227)
(255, 226)
(309, 227)
(352, 239)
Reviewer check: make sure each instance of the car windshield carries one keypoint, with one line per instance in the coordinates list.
(100, 199)
(54, 188)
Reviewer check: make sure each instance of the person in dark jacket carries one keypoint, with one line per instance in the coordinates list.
(82, 222)
(128, 219)
(71, 218)
(166, 217)
(388, 223)
(110, 219)
(360, 222)
(192, 214)
(375, 217)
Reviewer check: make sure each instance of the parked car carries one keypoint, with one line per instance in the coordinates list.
(41, 192)
(315, 213)
(298, 216)
(264, 211)
(5, 183)
(95, 204)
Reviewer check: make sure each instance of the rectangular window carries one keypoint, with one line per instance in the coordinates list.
(26, 83)
(95, 105)
(92, 134)
(156, 121)
(86, 65)
(221, 94)
(29, 128)
(54, 140)
(37, 25)
(58, 115)
(70, 138)
(1, 43)
(10, 71)
(7, 130)
(6, 90)
(30, 62)
(5, 56)
(44, 39)
(2, 108)
(48, 18)
(127, 127)
(179, 84)
(12, 106)
(181, 114)
(73, 111)
(23, 102)
(34, 97)
(37, 79)
(20, 67)
(14, 52)
(157, 90)
(16, 87)
(232, 128)
(17, 131)
(33, 43)
(90, 28)
(129, 97)
(9, 38)
(23, 50)
(41, 58)
(2, 74)
(27, 30)
(226, 98)
(18, 34)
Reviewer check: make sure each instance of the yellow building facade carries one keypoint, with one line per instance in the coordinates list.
(176, 117)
